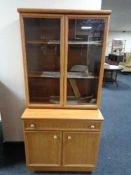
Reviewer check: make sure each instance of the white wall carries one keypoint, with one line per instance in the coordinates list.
(12, 96)
(121, 35)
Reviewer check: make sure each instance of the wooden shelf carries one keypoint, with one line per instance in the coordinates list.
(45, 74)
(52, 42)
(84, 42)
(60, 114)
(70, 75)
(75, 101)
(80, 75)
(56, 42)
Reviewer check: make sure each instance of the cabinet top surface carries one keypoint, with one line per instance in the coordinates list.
(62, 114)
(65, 11)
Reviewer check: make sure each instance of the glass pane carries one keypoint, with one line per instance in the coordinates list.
(43, 59)
(84, 58)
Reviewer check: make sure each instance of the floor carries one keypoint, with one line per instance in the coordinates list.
(115, 147)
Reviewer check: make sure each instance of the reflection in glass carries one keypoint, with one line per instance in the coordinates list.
(85, 40)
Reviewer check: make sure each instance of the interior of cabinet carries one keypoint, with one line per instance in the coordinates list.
(43, 58)
(85, 42)
(44, 38)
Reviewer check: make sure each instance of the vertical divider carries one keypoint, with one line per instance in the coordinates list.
(65, 60)
(62, 145)
(62, 55)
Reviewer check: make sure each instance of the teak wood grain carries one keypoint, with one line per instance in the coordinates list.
(85, 153)
(64, 150)
(44, 148)
(62, 140)
(62, 124)
(39, 167)
(61, 137)
(64, 11)
(62, 114)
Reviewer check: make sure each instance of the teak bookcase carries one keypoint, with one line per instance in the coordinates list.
(63, 55)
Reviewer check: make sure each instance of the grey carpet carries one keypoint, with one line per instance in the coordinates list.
(115, 148)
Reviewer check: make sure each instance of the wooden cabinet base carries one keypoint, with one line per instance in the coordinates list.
(42, 168)
(62, 139)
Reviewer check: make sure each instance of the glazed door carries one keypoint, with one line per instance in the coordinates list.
(43, 148)
(80, 149)
(43, 58)
(84, 57)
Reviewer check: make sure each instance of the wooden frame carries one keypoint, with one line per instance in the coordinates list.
(65, 11)
(106, 18)
(61, 17)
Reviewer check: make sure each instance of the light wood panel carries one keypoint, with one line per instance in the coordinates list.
(66, 57)
(62, 114)
(62, 124)
(38, 168)
(56, 141)
(80, 148)
(64, 11)
(43, 148)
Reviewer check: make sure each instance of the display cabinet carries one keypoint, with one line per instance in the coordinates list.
(63, 58)
(63, 55)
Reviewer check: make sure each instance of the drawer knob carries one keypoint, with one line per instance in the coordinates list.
(55, 137)
(69, 137)
(92, 126)
(32, 125)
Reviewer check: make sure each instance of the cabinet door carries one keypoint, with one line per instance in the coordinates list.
(43, 148)
(80, 149)
(85, 39)
(43, 54)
